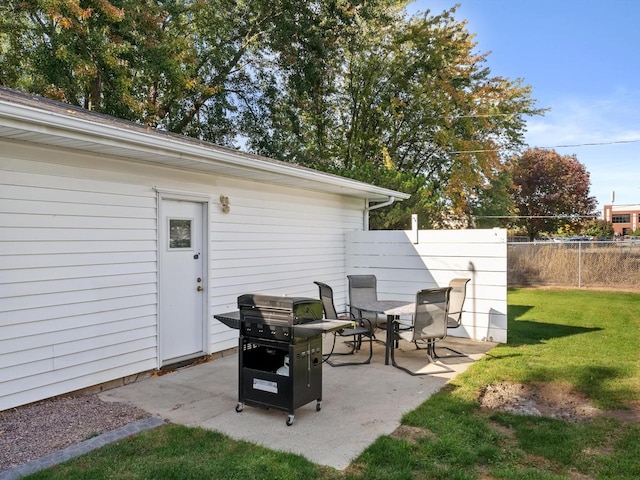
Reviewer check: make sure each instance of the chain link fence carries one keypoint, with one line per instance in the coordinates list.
(575, 264)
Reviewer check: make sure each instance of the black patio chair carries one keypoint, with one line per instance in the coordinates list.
(429, 323)
(362, 328)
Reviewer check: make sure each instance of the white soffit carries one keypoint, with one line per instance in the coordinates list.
(37, 120)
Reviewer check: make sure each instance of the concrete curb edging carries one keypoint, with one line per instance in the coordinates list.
(81, 448)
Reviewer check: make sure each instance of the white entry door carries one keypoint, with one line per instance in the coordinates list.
(182, 282)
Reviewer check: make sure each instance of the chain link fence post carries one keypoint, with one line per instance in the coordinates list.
(579, 264)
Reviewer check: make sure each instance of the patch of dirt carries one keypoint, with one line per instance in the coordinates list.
(555, 400)
(411, 434)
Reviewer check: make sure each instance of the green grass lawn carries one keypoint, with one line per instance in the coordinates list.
(584, 339)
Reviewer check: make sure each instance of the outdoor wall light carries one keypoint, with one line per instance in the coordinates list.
(224, 203)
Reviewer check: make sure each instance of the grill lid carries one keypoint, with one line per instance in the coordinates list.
(278, 309)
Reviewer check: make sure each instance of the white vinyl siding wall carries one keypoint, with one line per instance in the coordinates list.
(277, 241)
(79, 261)
(78, 288)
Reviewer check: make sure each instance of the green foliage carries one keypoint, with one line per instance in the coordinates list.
(600, 229)
(119, 58)
(550, 191)
(410, 97)
(356, 88)
(491, 205)
(398, 215)
(177, 452)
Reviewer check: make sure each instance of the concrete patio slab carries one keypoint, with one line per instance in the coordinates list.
(359, 403)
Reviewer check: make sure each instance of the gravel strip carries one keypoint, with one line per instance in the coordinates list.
(39, 429)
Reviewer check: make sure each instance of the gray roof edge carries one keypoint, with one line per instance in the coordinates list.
(72, 121)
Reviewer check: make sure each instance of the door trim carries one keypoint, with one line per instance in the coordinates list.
(205, 201)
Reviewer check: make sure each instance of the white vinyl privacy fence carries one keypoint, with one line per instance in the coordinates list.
(407, 261)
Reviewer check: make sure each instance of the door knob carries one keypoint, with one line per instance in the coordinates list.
(200, 288)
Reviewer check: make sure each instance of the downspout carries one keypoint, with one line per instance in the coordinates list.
(368, 208)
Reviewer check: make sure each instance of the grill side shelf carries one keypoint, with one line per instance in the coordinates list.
(304, 330)
(230, 319)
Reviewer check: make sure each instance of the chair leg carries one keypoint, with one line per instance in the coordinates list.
(456, 352)
(418, 347)
(434, 354)
(430, 358)
(327, 356)
(354, 344)
(355, 341)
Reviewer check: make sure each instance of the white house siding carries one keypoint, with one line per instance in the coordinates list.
(79, 261)
(77, 282)
(403, 267)
(277, 241)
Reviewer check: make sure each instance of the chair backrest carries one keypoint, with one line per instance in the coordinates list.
(456, 300)
(326, 296)
(430, 318)
(362, 289)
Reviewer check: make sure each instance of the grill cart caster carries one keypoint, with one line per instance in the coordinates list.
(239, 407)
(318, 406)
(290, 420)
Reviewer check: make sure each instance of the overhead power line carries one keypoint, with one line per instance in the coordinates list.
(574, 145)
(591, 144)
(534, 216)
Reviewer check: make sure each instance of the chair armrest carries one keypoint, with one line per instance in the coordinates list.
(365, 322)
(403, 323)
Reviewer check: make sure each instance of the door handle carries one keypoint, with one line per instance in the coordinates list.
(199, 288)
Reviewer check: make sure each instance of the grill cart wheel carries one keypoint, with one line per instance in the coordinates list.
(239, 407)
(290, 420)
(318, 406)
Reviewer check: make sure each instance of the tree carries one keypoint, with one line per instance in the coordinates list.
(355, 88)
(409, 106)
(119, 57)
(491, 205)
(550, 190)
(188, 66)
(598, 228)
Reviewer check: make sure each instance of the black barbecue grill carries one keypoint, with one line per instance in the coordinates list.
(280, 351)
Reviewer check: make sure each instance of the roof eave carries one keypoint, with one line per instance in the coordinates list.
(148, 145)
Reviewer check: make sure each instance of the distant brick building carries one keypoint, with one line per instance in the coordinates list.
(625, 218)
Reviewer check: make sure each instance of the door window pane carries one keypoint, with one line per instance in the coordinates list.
(179, 233)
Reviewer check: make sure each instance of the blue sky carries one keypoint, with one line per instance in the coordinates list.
(582, 58)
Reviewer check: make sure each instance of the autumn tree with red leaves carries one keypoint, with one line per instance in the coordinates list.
(550, 190)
